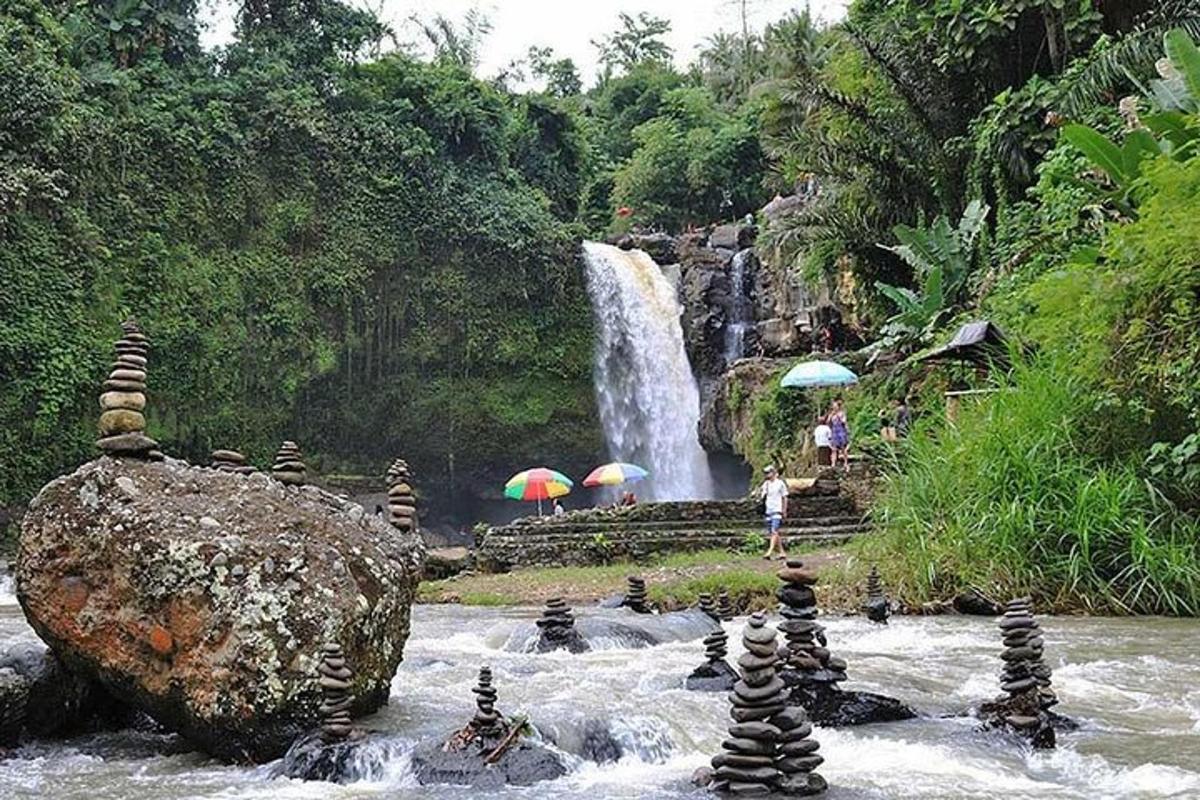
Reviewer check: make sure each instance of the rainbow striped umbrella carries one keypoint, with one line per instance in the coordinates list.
(614, 474)
(539, 483)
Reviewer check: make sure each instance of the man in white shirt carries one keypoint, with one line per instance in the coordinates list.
(823, 439)
(774, 493)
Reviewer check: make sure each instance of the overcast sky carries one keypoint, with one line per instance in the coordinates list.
(569, 26)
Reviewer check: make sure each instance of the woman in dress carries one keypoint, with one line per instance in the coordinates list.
(841, 434)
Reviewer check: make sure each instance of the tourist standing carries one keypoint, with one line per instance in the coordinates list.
(841, 433)
(774, 494)
(558, 508)
(903, 417)
(823, 439)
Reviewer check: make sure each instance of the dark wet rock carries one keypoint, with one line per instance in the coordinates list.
(556, 630)
(599, 744)
(975, 603)
(659, 246)
(876, 605)
(811, 672)
(203, 597)
(313, 758)
(444, 562)
(39, 697)
(715, 674)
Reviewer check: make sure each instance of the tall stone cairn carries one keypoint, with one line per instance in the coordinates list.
(1025, 668)
(808, 661)
(876, 605)
(402, 503)
(123, 401)
(705, 603)
(488, 722)
(230, 461)
(768, 750)
(716, 646)
(635, 595)
(557, 629)
(336, 679)
(725, 610)
(289, 465)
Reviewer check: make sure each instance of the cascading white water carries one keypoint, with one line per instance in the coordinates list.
(741, 316)
(649, 403)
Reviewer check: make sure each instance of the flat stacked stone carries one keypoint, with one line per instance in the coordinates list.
(876, 606)
(768, 750)
(715, 674)
(230, 461)
(402, 503)
(725, 610)
(123, 401)
(336, 680)
(705, 603)
(808, 660)
(289, 465)
(1025, 668)
(635, 595)
(557, 629)
(487, 722)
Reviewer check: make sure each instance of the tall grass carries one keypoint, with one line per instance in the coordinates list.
(1014, 499)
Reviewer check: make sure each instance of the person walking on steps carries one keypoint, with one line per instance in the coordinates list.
(774, 494)
(841, 434)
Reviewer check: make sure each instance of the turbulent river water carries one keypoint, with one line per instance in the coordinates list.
(1133, 684)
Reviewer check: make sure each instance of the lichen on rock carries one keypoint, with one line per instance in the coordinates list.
(214, 630)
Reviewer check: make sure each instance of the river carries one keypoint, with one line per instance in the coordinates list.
(1133, 684)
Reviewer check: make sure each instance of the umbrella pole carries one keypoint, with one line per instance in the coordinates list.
(539, 506)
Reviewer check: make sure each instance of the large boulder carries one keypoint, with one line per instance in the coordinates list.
(203, 597)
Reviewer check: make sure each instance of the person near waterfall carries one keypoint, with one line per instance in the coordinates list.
(774, 494)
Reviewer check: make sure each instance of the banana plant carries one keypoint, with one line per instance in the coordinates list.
(941, 257)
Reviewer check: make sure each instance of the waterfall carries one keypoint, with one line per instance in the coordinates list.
(649, 403)
(741, 316)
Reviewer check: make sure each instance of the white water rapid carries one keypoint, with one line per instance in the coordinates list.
(649, 403)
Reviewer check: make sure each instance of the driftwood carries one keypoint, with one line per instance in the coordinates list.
(514, 732)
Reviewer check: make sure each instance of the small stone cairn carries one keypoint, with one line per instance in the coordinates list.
(705, 603)
(557, 629)
(123, 401)
(336, 679)
(725, 610)
(230, 461)
(1025, 679)
(635, 595)
(289, 465)
(876, 605)
(402, 504)
(488, 723)
(811, 672)
(768, 751)
(715, 674)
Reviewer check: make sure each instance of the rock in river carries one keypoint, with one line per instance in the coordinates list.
(203, 597)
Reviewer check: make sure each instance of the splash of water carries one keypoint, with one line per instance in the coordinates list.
(649, 403)
(741, 316)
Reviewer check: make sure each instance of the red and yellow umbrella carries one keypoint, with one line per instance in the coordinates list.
(539, 483)
(614, 474)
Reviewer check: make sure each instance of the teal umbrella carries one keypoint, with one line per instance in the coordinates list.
(816, 374)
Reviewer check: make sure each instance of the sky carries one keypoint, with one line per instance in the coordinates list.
(568, 26)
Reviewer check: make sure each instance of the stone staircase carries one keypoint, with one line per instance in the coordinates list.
(599, 536)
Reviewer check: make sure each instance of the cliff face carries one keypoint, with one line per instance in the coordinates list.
(737, 305)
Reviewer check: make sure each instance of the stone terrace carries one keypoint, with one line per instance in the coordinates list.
(584, 538)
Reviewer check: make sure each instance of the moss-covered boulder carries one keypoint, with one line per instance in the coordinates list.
(203, 597)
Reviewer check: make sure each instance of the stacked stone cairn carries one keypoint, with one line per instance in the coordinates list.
(768, 751)
(715, 674)
(725, 610)
(336, 679)
(289, 465)
(230, 461)
(811, 672)
(488, 723)
(705, 603)
(635, 595)
(402, 504)
(1025, 679)
(123, 401)
(556, 629)
(876, 605)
